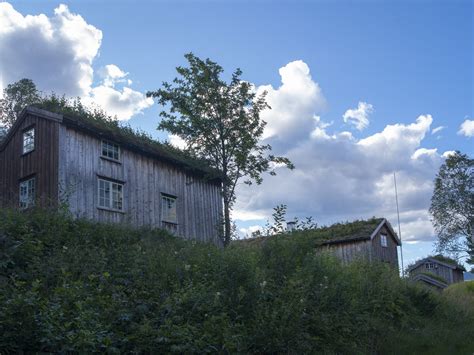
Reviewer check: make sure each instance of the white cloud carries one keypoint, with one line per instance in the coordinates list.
(177, 141)
(339, 177)
(467, 128)
(437, 129)
(57, 53)
(359, 117)
(448, 153)
(294, 104)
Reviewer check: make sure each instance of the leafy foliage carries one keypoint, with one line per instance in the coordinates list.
(452, 205)
(75, 286)
(17, 96)
(219, 122)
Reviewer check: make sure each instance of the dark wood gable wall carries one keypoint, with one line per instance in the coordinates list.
(42, 163)
(387, 254)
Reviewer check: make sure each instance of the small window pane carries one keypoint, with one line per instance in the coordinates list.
(110, 194)
(110, 150)
(27, 193)
(168, 209)
(383, 240)
(28, 140)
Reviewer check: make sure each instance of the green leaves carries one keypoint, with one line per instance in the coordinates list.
(452, 205)
(78, 286)
(220, 122)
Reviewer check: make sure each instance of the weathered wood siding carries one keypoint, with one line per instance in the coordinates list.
(388, 254)
(370, 250)
(448, 274)
(42, 163)
(350, 251)
(198, 202)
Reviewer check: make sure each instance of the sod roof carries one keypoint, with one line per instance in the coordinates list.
(126, 136)
(337, 233)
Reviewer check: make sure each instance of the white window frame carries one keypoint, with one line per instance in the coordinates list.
(27, 193)
(110, 194)
(384, 240)
(165, 207)
(430, 265)
(28, 140)
(110, 149)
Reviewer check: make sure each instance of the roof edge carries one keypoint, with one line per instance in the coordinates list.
(389, 226)
(29, 110)
(424, 260)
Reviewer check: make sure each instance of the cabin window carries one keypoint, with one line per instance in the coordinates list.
(110, 150)
(27, 193)
(28, 140)
(110, 195)
(430, 265)
(383, 240)
(168, 209)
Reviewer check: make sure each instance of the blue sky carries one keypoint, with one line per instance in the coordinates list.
(402, 59)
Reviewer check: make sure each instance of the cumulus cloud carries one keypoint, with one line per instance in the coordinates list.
(57, 53)
(359, 117)
(294, 105)
(339, 177)
(467, 128)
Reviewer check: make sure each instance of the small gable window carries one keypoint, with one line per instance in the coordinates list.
(383, 240)
(29, 140)
(168, 209)
(110, 150)
(430, 266)
(110, 195)
(27, 193)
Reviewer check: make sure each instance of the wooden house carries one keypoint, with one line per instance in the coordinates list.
(437, 272)
(373, 240)
(107, 173)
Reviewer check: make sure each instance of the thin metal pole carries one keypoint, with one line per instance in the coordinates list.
(398, 216)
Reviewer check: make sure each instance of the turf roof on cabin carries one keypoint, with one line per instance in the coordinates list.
(108, 128)
(336, 233)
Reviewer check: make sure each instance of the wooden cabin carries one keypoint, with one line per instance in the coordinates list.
(107, 174)
(373, 239)
(437, 272)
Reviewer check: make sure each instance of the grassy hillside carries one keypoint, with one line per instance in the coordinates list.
(70, 285)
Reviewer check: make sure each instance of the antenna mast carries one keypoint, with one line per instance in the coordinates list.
(398, 216)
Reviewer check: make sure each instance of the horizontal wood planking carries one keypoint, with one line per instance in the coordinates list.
(42, 162)
(199, 204)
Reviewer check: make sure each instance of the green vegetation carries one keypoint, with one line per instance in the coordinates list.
(220, 122)
(75, 286)
(461, 294)
(435, 277)
(359, 229)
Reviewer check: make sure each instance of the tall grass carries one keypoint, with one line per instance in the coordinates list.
(72, 285)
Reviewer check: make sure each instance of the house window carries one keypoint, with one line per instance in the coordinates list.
(27, 193)
(168, 209)
(28, 140)
(110, 150)
(383, 240)
(430, 265)
(110, 195)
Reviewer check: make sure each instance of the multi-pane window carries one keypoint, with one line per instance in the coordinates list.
(383, 240)
(168, 209)
(110, 194)
(430, 265)
(28, 140)
(27, 193)
(110, 150)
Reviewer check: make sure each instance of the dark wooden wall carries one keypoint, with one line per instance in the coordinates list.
(387, 254)
(447, 273)
(42, 162)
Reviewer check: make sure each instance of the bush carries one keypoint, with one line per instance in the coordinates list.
(75, 286)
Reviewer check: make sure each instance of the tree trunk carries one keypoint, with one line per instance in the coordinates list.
(227, 226)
